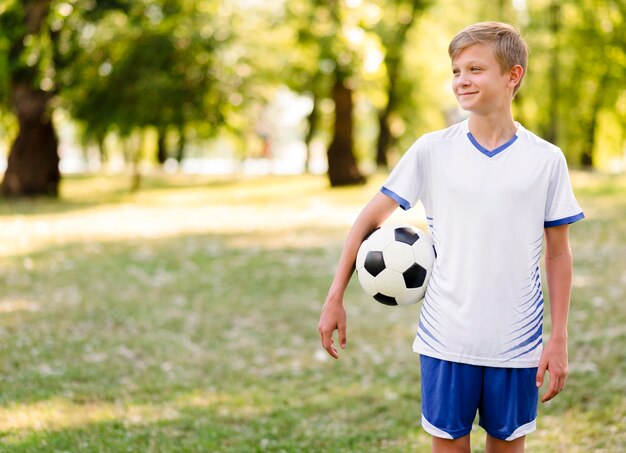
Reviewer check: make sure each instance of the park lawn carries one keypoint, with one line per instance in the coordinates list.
(183, 318)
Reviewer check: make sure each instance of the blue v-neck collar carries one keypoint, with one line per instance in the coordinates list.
(490, 153)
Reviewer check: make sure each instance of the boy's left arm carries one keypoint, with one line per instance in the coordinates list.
(559, 269)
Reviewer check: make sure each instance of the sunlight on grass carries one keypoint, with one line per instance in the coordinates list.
(59, 413)
(274, 209)
(13, 305)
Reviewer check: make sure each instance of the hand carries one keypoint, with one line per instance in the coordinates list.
(554, 361)
(333, 318)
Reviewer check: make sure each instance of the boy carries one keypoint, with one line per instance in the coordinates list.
(492, 192)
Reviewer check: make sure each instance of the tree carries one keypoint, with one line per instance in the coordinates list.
(41, 36)
(33, 159)
(342, 167)
(154, 67)
(393, 32)
(320, 30)
(578, 49)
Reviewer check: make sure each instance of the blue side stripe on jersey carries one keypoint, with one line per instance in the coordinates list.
(432, 283)
(533, 283)
(537, 319)
(532, 348)
(534, 307)
(533, 314)
(427, 317)
(487, 152)
(425, 330)
(563, 221)
(430, 325)
(427, 343)
(526, 342)
(534, 290)
(426, 308)
(429, 298)
(534, 275)
(532, 301)
(404, 204)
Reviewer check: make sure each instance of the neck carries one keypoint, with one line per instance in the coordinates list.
(492, 131)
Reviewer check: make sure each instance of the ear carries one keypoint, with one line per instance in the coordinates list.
(515, 75)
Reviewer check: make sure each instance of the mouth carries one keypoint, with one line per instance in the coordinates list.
(468, 94)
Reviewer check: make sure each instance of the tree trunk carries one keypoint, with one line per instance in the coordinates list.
(102, 149)
(136, 153)
(342, 168)
(586, 158)
(552, 132)
(33, 162)
(384, 132)
(393, 62)
(161, 146)
(313, 120)
(384, 139)
(182, 142)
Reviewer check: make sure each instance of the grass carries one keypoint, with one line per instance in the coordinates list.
(183, 319)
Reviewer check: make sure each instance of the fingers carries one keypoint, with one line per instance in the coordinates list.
(342, 336)
(541, 371)
(328, 343)
(557, 383)
(551, 393)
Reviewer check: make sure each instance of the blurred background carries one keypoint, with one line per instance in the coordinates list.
(340, 87)
(177, 180)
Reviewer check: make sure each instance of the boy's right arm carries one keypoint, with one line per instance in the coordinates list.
(333, 315)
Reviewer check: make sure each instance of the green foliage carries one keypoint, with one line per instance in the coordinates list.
(590, 68)
(155, 66)
(211, 66)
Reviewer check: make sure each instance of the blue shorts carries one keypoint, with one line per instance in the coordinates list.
(452, 393)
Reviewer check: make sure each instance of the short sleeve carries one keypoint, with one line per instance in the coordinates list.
(561, 205)
(406, 182)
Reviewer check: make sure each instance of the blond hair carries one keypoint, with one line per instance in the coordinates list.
(509, 46)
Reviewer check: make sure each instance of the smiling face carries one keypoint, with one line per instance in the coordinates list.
(479, 83)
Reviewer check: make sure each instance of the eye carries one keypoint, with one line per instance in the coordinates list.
(456, 72)
(475, 69)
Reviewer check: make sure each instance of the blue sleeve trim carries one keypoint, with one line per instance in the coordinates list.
(566, 220)
(397, 198)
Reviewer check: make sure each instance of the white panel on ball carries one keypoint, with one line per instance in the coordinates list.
(390, 283)
(380, 239)
(368, 283)
(398, 256)
(411, 296)
(424, 252)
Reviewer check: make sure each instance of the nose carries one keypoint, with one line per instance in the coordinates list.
(463, 80)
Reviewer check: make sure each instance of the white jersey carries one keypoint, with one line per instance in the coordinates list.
(486, 211)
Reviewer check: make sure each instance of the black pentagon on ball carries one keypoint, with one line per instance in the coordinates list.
(414, 276)
(374, 263)
(406, 235)
(387, 300)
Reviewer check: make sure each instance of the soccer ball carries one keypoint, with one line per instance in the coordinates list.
(394, 264)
